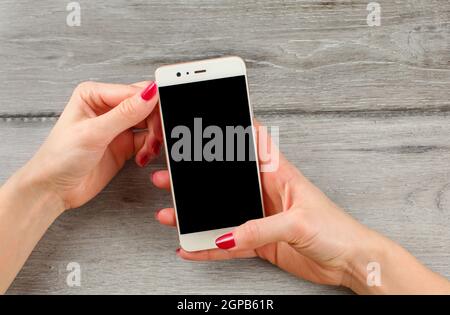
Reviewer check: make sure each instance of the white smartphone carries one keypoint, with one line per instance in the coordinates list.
(210, 147)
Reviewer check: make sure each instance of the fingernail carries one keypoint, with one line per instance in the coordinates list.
(150, 91)
(178, 251)
(226, 241)
(144, 159)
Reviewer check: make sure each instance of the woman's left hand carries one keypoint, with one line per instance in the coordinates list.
(93, 138)
(88, 145)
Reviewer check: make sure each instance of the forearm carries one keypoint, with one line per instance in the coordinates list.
(399, 271)
(27, 209)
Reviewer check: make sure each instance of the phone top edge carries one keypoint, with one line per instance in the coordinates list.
(236, 59)
(201, 70)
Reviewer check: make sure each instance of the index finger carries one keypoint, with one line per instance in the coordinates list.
(102, 97)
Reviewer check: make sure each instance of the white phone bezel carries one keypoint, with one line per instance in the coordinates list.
(203, 70)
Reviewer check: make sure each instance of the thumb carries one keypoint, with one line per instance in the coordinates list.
(259, 232)
(128, 113)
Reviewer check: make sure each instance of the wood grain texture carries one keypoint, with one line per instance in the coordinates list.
(314, 55)
(364, 112)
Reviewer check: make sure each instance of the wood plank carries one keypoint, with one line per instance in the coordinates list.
(303, 56)
(391, 172)
(363, 112)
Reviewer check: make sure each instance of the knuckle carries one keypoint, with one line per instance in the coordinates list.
(127, 109)
(251, 230)
(84, 86)
(85, 90)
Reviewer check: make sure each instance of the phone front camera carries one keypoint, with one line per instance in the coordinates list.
(178, 74)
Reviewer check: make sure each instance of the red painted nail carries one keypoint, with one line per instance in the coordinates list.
(144, 160)
(178, 251)
(226, 241)
(150, 91)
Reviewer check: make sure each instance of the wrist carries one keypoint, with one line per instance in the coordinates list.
(363, 273)
(27, 209)
(27, 188)
(384, 267)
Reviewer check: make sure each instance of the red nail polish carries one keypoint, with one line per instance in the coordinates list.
(178, 251)
(150, 91)
(144, 160)
(226, 241)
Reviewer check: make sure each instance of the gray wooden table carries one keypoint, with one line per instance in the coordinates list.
(363, 111)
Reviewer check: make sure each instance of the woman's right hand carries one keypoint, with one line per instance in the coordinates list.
(304, 233)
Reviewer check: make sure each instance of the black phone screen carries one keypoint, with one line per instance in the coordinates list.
(210, 149)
